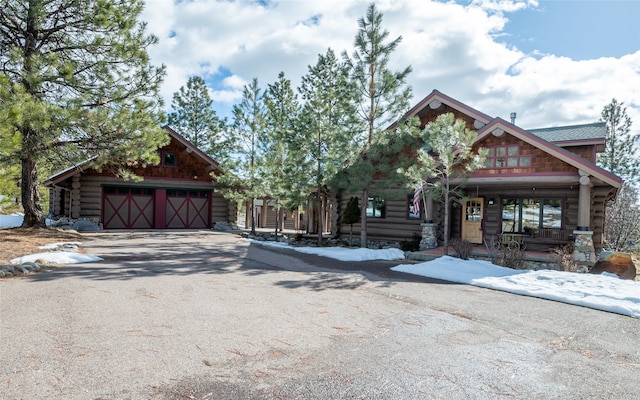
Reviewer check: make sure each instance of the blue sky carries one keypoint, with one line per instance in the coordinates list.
(580, 30)
(552, 62)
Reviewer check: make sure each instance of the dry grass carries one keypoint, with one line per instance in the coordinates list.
(18, 242)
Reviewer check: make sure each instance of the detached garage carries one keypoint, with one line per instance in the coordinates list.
(178, 193)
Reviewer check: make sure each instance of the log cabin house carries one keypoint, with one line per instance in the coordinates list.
(540, 187)
(178, 193)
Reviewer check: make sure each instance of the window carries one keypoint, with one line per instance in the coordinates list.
(521, 215)
(375, 207)
(411, 213)
(506, 157)
(169, 159)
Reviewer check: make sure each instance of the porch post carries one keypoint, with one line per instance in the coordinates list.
(583, 249)
(584, 202)
(429, 208)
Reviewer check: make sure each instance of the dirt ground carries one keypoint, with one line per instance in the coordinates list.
(18, 242)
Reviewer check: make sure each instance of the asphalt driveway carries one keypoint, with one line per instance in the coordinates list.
(207, 315)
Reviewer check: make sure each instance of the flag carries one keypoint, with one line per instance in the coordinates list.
(416, 201)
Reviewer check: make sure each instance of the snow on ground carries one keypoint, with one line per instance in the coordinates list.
(15, 220)
(341, 253)
(57, 257)
(601, 292)
(11, 221)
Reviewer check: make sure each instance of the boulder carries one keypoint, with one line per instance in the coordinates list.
(620, 264)
(83, 225)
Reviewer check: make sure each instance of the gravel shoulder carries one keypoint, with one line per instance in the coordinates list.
(206, 315)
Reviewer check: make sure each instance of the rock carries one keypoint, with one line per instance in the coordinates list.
(620, 264)
(83, 225)
(31, 266)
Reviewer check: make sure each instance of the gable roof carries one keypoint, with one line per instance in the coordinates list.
(594, 133)
(435, 98)
(499, 126)
(191, 148)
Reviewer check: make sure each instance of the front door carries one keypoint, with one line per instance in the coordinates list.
(472, 220)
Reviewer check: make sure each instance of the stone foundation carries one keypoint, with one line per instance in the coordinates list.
(583, 251)
(429, 239)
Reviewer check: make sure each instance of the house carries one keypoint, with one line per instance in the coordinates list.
(178, 193)
(539, 187)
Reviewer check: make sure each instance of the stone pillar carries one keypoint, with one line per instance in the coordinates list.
(429, 239)
(583, 251)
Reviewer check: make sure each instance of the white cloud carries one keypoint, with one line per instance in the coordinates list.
(456, 49)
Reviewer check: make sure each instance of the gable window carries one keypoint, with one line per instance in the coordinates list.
(169, 159)
(411, 212)
(506, 157)
(375, 207)
(522, 215)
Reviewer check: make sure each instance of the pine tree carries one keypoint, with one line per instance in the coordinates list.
(441, 167)
(279, 162)
(329, 119)
(240, 181)
(77, 78)
(383, 93)
(621, 155)
(351, 216)
(194, 118)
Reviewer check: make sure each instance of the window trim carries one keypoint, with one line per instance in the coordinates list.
(163, 161)
(411, 215)
(374, 208)
(508, 152)
(521, 228)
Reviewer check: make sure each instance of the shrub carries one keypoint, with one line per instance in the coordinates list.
(412, 244)
(462, 248)
(563, 255)
(506, 255)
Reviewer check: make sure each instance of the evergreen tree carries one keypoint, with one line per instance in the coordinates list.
(194, 118)
(77, 79)
(240, 182)
(9, 148)
(441, 167)
(621, 155)
(383, 93)
(279, 165)
(328, 121)
(351, 216)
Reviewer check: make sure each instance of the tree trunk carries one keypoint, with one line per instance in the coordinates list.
(253, 217)
(446, 224)
(363, 218)
(320, 216)
(33, 215)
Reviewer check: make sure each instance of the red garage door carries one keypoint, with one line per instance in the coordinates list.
(188, 209)
(127, 208)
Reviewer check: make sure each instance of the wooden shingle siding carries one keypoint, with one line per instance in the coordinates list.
(541, 162)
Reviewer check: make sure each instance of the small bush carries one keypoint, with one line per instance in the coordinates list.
(563, 255)
(412, 244)
(505, 255)
(462, 248)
